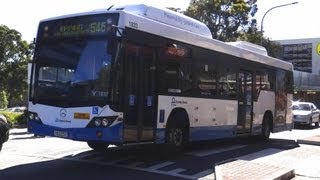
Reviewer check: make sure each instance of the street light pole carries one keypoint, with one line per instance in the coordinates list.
(274, 8)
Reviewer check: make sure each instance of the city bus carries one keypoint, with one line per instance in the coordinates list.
(139, 74)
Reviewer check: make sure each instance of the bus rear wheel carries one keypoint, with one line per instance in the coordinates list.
(98, 146)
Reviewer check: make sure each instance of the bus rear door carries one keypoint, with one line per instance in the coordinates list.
(244, 122)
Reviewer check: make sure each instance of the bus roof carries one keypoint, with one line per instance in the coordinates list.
(173, 25)
(169, 17)
(199, 38)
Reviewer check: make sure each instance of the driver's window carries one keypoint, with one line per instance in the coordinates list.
(48, 74)
(54, 74)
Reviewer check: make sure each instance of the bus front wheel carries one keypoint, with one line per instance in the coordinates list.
(176, 137)
(98, 146)
(266, 128)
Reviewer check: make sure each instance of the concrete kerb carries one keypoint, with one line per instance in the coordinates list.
(242, 169)
(312, 140)
(218, 168)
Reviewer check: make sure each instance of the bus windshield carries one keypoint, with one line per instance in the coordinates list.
(73, 69)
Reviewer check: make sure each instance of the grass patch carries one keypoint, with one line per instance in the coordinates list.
(14, 118)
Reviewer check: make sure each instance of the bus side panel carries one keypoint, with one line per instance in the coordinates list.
(209, 118)
(265, 102)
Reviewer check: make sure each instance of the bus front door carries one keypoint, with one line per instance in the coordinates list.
(139, 100)
(244, 122)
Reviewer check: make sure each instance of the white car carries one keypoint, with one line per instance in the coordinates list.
(16, 109)
(305, 113)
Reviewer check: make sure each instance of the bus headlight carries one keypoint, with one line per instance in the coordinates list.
(97, 122)
(105, 122)
(34, 117)
(31, 116)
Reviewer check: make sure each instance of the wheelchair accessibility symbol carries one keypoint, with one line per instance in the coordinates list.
(95, 110)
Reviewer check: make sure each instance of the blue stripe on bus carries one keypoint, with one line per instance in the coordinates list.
(212, 132)
(160, 136)
(202, 133)
(111, 134)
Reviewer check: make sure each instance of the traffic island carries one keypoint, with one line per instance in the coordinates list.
(248, 170)
(312, 140)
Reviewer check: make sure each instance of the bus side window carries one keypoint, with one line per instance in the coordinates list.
(206, 79)
(266, 81)
(258, 85)
(227, 83)
(170, 78)
(271, 79)
(186, 78)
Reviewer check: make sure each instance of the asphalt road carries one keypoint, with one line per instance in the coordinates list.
(26, 156)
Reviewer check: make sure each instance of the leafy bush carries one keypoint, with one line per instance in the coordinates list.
(3, 99)
(14, 118)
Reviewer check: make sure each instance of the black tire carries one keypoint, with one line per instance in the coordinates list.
(316, 124)
(98, 146)
(176, 137)
(266, 128)
(310, 123)
(1, 141)
(6, 137)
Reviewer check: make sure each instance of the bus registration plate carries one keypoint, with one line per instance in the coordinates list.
(62, 134)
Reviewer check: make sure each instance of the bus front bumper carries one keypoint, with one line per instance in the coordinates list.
(109, 134)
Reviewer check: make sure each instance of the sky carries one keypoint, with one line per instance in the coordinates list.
(289, 22)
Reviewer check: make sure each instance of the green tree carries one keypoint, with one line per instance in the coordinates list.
(3, 100)
(232, 20)
(15, 54)
(226, 19)
(252, 35)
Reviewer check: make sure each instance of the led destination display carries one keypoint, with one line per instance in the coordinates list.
(90, 25)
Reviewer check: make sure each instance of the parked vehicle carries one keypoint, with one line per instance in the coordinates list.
(305, 113)
(16, 109)
(4, 130)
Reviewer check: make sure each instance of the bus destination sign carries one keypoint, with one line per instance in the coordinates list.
(93, 28)
(91, 25)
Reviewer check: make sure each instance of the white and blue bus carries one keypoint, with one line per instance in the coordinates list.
(140, 74)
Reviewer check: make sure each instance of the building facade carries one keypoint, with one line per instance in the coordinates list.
(304, 54)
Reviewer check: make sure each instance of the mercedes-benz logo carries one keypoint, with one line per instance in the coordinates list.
(63, 113)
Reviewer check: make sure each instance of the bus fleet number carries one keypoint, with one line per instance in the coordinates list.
(133, 24)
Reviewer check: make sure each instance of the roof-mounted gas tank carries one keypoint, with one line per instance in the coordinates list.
(250, 47)
(167, 16)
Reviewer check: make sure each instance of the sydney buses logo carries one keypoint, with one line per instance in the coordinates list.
(175, 102)
(63, 113)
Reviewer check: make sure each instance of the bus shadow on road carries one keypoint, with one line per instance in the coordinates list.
(197, 158)
(61, 169)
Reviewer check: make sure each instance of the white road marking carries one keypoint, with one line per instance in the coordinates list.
(161, 165)
(176, 171)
